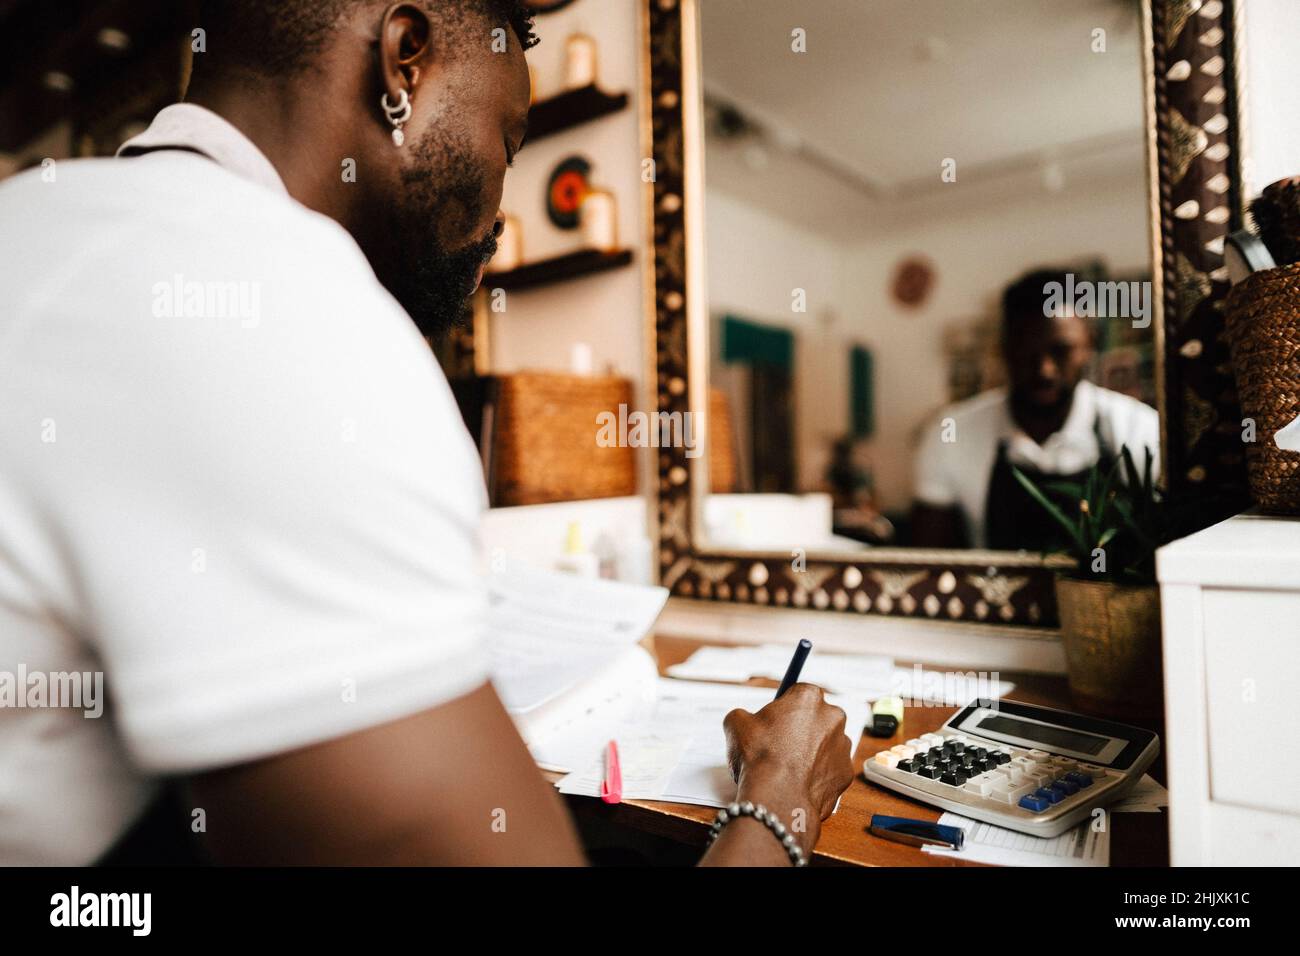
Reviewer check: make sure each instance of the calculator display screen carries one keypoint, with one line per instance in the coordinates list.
(1057, 737)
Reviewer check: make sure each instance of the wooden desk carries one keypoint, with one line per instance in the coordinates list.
(1137, 839)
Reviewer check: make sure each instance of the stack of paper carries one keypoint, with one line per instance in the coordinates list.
(563, 734)
(866, 675)
(676, 749)
(547, 633)
(863, 674)
(928, 687)
(565, 662)
(1083, 845)
(1147, 796)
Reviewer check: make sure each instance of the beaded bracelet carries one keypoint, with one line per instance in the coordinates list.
(764, 816)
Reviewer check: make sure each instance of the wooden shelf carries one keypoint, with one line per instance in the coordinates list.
(570, 109)
(571, 265)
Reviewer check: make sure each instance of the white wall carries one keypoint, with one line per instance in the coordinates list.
(539, 327)
(537, 534)
(1271, 104)
(754, 262)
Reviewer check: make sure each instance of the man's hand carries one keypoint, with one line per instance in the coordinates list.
(794, 758)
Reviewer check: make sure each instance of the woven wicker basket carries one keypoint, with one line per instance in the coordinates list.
(544, 439)
(1263, 313)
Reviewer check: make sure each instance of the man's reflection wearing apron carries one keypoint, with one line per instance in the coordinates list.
(1046, 357)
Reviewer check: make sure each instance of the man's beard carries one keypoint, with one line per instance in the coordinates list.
(435, 288)
(443, 188)
(1024, 406)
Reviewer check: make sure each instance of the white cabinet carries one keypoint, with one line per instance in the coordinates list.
(1231, 608)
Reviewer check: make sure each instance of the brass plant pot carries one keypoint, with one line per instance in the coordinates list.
(1111, 634)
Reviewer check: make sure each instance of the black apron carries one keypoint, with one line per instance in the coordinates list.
(1014, 521)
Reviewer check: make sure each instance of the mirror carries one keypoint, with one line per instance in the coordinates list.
(926, 260)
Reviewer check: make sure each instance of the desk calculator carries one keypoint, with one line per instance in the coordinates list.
(1019, 766)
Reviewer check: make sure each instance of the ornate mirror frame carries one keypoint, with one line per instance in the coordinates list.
(1195, 201)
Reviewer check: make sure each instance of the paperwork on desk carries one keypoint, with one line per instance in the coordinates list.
(1147, 796)
(1080, 846)
(565, 662)
(673, 747)
(985, 843)
(832, 672)
(548, 633)
(866, 675)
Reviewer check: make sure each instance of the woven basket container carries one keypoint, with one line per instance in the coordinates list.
(544, 444)
(1263, 313)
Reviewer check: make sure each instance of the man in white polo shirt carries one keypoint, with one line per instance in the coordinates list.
(1050, 422)
(233, 479)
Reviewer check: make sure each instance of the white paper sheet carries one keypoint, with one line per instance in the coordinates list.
(867, 675)
(862, 674)
(1147, 796)
(549, 632)
(690, 714)
(646, 760)
(985, 843)
(929, 687)
(564, 733)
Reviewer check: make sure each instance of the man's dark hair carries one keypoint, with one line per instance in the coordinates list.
(1024, 298)
(282, 37)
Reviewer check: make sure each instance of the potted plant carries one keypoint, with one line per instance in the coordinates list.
(1108, 601)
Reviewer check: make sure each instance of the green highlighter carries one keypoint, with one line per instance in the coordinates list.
(886, 717)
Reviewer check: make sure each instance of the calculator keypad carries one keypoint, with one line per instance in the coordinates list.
(1032, 780)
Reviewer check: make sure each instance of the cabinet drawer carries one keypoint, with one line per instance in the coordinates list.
(1252, 682)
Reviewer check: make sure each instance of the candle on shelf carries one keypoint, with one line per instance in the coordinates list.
(599, 217)
(579, 61)
(580, 359)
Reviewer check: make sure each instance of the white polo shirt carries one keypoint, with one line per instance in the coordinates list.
(232, 479)
(958, 449)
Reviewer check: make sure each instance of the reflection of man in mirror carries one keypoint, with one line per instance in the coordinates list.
(1049, 422)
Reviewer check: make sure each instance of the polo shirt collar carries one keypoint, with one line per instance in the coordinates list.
(189, 126)
(1065, 449)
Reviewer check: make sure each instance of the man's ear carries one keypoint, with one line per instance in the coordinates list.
(405, 35)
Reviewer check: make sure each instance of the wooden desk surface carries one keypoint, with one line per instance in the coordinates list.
(1137, 839)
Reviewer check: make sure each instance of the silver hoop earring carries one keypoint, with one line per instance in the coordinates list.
(397, 115)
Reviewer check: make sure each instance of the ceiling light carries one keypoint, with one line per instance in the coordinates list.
(111, 38)
(58, 81)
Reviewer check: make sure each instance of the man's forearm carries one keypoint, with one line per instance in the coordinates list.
(451, 786)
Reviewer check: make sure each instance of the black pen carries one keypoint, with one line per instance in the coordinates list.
(796, 667)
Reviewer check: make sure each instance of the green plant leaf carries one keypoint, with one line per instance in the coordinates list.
(1104, 497)
(1071, 528)
(1132, 524)
(1066, 489)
